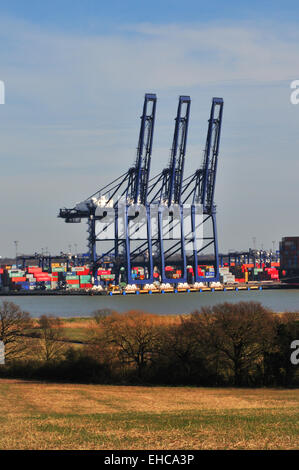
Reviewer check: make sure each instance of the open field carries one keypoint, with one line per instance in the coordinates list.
(74, 329)
(63, 416)
(78, 329)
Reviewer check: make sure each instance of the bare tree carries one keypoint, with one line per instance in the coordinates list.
(240, 332)
(98, 315)
(130, 336)
(13, 325)
(52, 344)
(180, 342)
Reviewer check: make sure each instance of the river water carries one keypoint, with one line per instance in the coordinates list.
(72, 306)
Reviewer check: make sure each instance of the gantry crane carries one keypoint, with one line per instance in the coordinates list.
(199, 188)
(102, 212)
(151, 222)
(170, 243)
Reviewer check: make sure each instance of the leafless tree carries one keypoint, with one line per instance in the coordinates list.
(13, 324)
(52, 344)
(241, 333)
(130, 336)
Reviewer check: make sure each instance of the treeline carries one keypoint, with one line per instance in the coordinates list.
(242, 344)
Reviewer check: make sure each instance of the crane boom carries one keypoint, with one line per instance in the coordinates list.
(209, 169)
(173, 175)
(139, 175)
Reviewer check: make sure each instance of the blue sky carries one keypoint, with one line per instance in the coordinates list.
(75, 74)
(90, 15)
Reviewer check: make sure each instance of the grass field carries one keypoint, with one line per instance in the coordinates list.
(63, 416)
(73, 329)
(78, 329)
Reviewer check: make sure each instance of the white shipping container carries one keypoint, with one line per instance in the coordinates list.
(224, 270)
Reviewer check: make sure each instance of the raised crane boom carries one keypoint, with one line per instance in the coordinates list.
(139, 175)
(173, 175)
(201, 184)
(211, 155)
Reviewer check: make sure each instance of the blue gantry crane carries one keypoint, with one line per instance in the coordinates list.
(170, 240)
(199, 189)
(149, 223)
(130, 190)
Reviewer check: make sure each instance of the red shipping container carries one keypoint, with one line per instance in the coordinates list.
(18, 279)
(72, 281)
(86, 286)
(82, 273)
(105, 272)
(34, 270)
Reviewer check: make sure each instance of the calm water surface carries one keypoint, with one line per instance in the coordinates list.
(70, 306)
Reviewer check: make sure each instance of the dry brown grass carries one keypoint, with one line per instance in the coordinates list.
(63, 416)
(81, 328)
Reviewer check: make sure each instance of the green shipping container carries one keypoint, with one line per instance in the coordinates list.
(107, 277)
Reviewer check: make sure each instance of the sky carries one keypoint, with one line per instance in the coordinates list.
(75, 75)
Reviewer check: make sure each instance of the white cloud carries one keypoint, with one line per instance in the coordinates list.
(73, 104)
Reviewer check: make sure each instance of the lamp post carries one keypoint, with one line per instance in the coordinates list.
(16, 246)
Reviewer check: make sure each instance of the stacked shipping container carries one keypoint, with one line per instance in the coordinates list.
(34, 277)
(289, 260)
